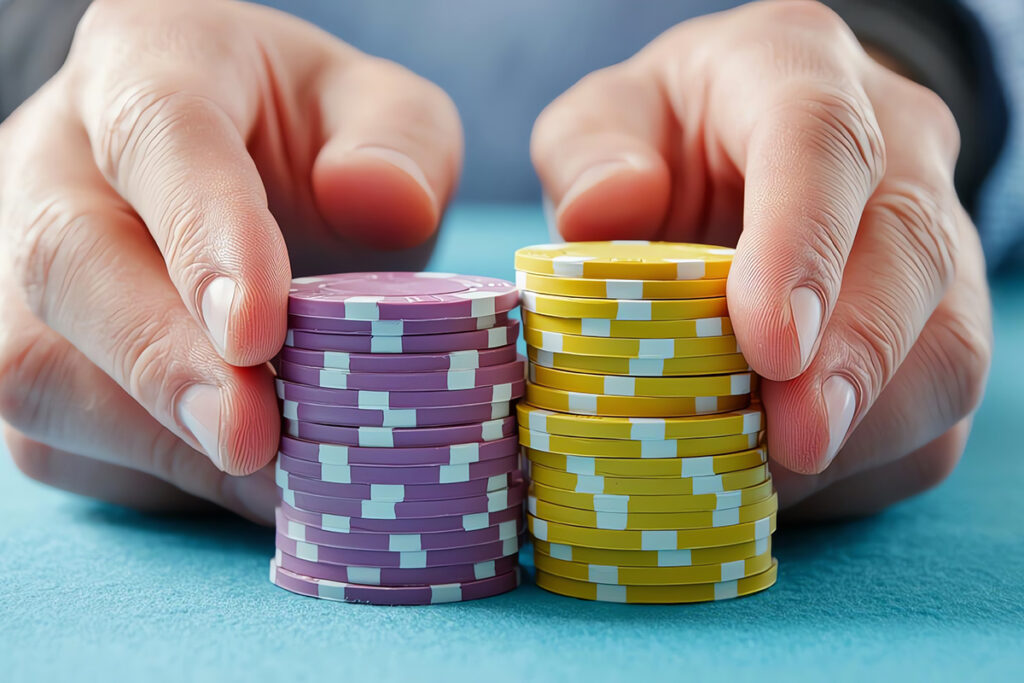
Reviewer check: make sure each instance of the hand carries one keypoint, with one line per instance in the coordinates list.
(150, 195)
(858, 288)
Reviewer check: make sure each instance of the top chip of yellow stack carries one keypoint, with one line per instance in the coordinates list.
(630, 259)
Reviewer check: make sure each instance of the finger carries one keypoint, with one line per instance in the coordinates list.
(599, 151)
(899, 271)
(870, 491)
(60, 406)
(87, 477)
(167, 129)
(87, 268)
(789, 111)
(391, 153)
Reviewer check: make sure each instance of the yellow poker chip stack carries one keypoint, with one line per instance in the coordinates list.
(649, 470)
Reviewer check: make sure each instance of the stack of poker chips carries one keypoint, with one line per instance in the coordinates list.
(398, 465)
(649, 476)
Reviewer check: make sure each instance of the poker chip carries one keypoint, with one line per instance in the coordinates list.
(746, 421)
(603, 502)
(654, 558)
(700, 466)
(398, 542)
(621, 347)
(396, 328)
(418, 362)
(451, 380)
(398, 472)
(653, 576)
(640, 367)
(620, 289)
(490, 338)
(614, 385)
(630, 329)
(355, 398)
(678, 593)
(427, 594)
(629, 449)
(631, 406)
(641, 427)
(400, 296)
(627, 259)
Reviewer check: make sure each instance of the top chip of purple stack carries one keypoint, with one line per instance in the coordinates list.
(400, 295)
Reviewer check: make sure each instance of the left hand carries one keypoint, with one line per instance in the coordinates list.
(858, 288)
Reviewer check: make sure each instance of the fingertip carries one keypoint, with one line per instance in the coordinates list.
(625, 198)
(797, 425)
(376, 196)
(252, 423)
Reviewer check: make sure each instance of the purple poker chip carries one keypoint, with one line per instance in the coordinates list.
(414, 509)
(417, 559)
(420, 525)
(390, 474)
(379, 400)
(490, 338)
(415, 362)
(393, 576)
(397, 493)
(449, 380)
(396, 437)
(391, 417)
(448, 454)
(395, 328)
(397, 542)
(393, 595)
(398, 296)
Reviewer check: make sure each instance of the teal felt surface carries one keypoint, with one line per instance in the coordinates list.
(931, 589)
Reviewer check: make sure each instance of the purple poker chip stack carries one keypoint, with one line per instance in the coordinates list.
(398, 469)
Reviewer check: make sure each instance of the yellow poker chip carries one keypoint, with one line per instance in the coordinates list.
(624, 309)
(640, 367)
(620, 289)
(603, 502)
(631, 406)
(652, 521)
(676, 594)
(745, 421)
(631, 348)
(649, 486)
(702, 466)
(653, 576)
(627, 259)
(674, 539)
(654, 558)
(616, 385)
(630, 329)
(676, 449)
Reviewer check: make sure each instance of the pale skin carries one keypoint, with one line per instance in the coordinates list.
(158, 193)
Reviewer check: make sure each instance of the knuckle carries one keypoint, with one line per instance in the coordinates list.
(144, 354)
(962, 356)
(807, 14)
(923, 227)
(28, 365)
(933, 112)
(877, 343)
(135, 120)
(839, 125)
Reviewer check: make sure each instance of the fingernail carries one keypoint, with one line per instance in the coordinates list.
(199, 412)
(403, 162)
(840, 405)
(805, 304)
(594, 176)
(216, 309)
(256, 495)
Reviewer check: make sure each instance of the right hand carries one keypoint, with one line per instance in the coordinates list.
(150, 195)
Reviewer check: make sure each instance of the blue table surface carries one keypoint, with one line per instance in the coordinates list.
(932, 588)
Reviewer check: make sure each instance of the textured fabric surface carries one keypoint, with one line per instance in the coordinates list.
(930, 589)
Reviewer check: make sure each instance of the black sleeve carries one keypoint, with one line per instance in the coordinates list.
(34, 39)
(944, 48)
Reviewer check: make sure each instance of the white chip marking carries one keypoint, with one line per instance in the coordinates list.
(647, 367)
(688, 269)
(497, 500)
(290, 410)
(656, 348)
(675, 558)
(752, 421)
(647, 429)
(565, 265)
(658, 449)
(658, 540)
(727, 590)
(609, 593)
(332, 379)
(386, 344)
(540, 529)
(398, 543)
(373, 400)
(595, 327)
(589, 483)
(400, 418)
(447, 592)
(582, 403)
(336, 474)
(600, 573)
(551, 341)
(739, 384)
(697, 467)
(461, 453)
(619, 386)
(633, 310)
(464, 360)
(485, 321)
(731, 571)
(387, 328)
(448, 474)
(376, 437)
(491, 430)
(574, 464)
(461, 379)
(702, 485)
(388, 493)
(608, 502)
(709, 327)
(336, 523)
(412, 560)
(296, 530)
(705, 404)
(624, 289)
(377, 509)
(538, 440)
(612, 520)
(366, 575)
(560, 552)
(725, 517)
(484, 570)
(362, 308)
(501, 392)
(307, 551)
(332, 454)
